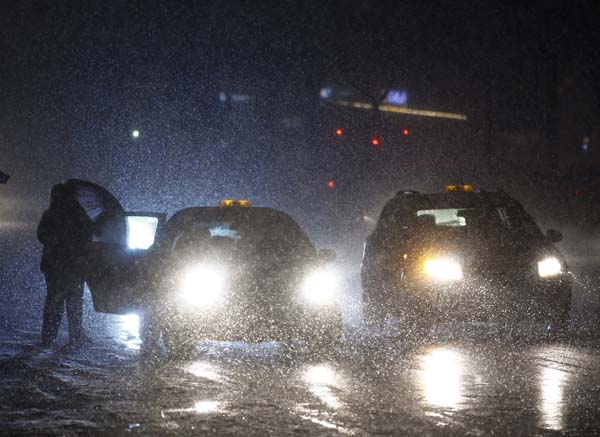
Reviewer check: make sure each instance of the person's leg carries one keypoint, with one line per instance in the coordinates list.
(53, 308)
(74, 286)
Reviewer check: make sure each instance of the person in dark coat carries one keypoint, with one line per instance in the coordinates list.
(65, 230)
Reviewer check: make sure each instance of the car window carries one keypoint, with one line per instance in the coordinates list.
(264, 236)
(445, 217)
(493, 219)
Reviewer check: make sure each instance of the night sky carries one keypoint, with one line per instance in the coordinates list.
(77, 78)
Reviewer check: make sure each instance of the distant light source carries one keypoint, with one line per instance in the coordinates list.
(339, 132)
(585, 144)
(397, 97)
(326, 92)
(331, 184)
(405, 132)
(375, 142)
(135, 133)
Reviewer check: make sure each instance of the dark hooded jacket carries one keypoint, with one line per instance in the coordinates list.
(65, 230)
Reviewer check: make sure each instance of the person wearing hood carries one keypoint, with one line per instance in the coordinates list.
(65, 230)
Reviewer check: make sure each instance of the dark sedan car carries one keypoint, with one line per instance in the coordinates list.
(463, 255)
(233, 272)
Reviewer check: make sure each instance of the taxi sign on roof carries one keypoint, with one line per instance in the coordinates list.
(231, 202)
(466, 188)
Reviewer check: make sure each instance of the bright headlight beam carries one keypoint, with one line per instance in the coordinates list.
(443, 269)
(320, 287)
(549, 267)
(203, 285)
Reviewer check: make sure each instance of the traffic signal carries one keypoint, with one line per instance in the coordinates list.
(375, 142)
(405, 132)
(339, 132)
(331, 183)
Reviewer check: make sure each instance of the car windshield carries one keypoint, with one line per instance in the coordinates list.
(498, 221)
(263, 234)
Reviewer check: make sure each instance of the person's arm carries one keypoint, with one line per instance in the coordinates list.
(46, 231)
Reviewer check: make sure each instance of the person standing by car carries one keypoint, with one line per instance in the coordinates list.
(65, 230)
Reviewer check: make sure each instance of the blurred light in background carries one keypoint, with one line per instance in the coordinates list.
(396, 97)
(326, 92)
(135, 133)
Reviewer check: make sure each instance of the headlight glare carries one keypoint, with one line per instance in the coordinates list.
(203, 285)
(442, 269)
(320, 287)
(549, 266)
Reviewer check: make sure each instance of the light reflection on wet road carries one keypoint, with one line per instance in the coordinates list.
(435, 387)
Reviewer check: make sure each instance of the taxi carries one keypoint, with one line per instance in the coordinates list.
(232, 272)
(463, 255)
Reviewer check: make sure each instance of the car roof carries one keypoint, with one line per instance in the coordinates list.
(217, 213)
(454, 199)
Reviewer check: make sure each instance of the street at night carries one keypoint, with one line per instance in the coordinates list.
(299, 218)
(441, 385)
(460, 379)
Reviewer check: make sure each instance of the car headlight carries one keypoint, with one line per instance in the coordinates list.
(203, 285)
(549, 266)
(320, 287)
(442, 269)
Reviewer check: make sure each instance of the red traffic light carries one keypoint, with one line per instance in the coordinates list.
(375, 142)
(339, 132)
(331, 184)
(405, 132)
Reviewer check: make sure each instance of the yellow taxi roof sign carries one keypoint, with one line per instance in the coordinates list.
(466, 188)
(225, 203)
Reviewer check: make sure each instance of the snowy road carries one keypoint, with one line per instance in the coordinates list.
(459, 380)
(440, 386)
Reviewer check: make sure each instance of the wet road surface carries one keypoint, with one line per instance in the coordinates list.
(445, 384)
(460, 380)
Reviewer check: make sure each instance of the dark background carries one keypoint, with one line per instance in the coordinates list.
(78, 77)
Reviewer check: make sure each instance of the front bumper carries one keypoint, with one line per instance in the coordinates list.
(524, 299)
(254, 322)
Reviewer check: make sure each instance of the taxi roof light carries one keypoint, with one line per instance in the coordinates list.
(465, 188)
(226, 203)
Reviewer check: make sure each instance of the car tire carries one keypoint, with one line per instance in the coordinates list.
(374, 311)
(560, 324)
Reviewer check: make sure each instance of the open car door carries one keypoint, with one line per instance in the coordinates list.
(117, 261)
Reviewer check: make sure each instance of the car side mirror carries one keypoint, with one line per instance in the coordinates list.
(326, 255)
(553, 236)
